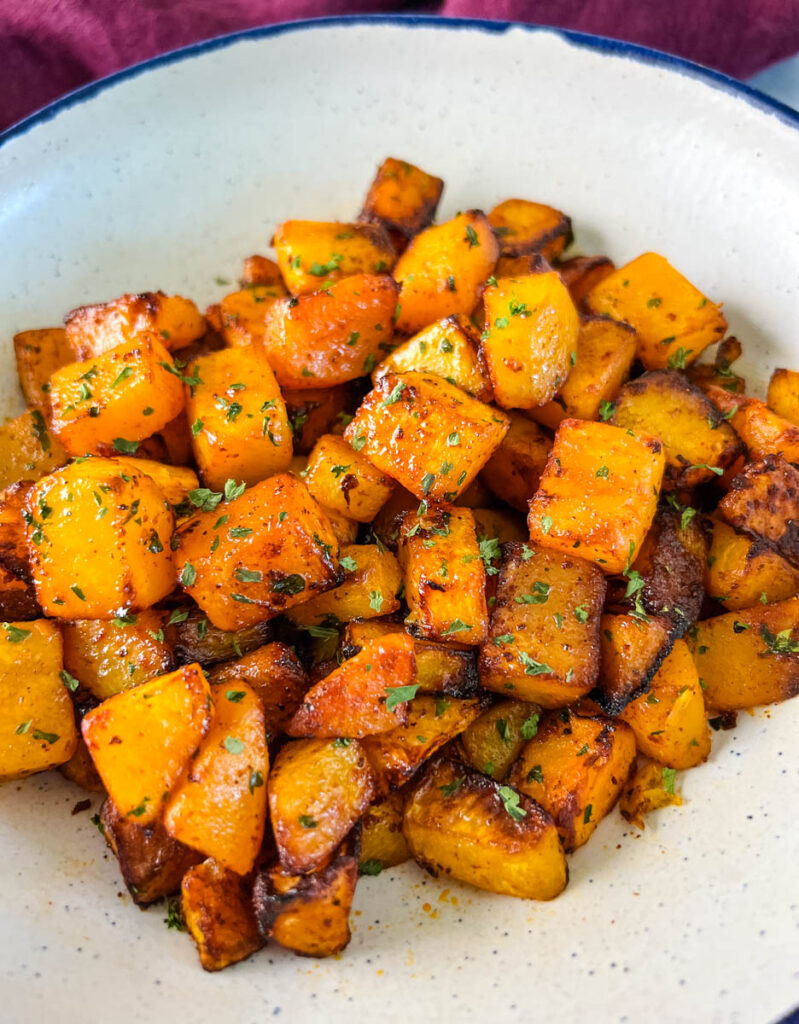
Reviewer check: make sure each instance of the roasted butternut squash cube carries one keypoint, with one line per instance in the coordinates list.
(367, 694)
(109, 657)
(240, 318)
(432, 722)
(265, 551)
(444, 575)
(449, 348)
(575, 767)
(530, 341)
(345, 480)
(219, 807)
(426, 433)
(174, 482)
(37, 723)
(782, 397)
(311, 254)
(371, 582)
(741, 572)
(605, 351)
(493, 742)
(239, 424)
(151, 862)
(444, 269)
(763, 502)
(99, 512)
(402, 197)
(28, 449)
(197, 639)
(675, 322)
(748, 657)
(142, 740)
(317, 790)
(13, 541)
(217, 908)
(669, 722)
(462, 824)
(513, 471)
(383, 842)
(598, 493)
(108, 402)
(581, 273)
(332, 336)
(92, 330)
(649, 789)
(39, 354)
(523, 226)
(632, 649)
(761, 430)
(543, 645)
(314, 412)
(257, 270)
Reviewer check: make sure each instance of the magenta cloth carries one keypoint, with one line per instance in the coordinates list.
(48, 47)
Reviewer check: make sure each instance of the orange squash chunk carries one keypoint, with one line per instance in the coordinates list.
(763, 502)
(217, 908)
(39, 354)
(311, 254)
(513, 471)
(523, 227)
(740, 572)
(632, 649)
(345, 480)
(256, 270)
(402, 197)
(581, 273)
(28, 449)
(763, 431)
(92, 330)
(782, 397)
(240, 318)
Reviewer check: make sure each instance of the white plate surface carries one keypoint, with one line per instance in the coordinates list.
(165, 180)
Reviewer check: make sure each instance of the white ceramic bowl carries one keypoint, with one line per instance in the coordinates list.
(165, 177)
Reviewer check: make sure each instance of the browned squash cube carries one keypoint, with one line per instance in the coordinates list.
(581, 273)
(500, 525)
(39, 354)
(240, 318)
(402, 197)
(17, 598)
(444, 269)
(741, 572)
(372, 580)
(317, 411)
(462, 824)
(543, 645)
(261, 553)
(217, 907)
(649, 789)
(28, 449)
(748, 657)
(444, 576)
(575, 767)
(674, 320)
(13, 540)
(598, 493)
(632, 649)
(332, 336)
(383, 842)
(763, 502)
(761, 430)
(426, 433)
(782, 397)
(311, 254)
(345, 480)
(493, 742)
(530, 341)
(523, 226)
(197, 639)
(98, 512)
(92, 330)
(257, 270)
(513, 471)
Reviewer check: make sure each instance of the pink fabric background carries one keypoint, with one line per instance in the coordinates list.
(48, 47)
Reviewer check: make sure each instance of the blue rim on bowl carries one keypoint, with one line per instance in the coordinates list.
(601, 44)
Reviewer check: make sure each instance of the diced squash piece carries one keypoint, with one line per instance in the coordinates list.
(383, 842)
(317, 790)
(311, 254)
(309, 914)
(372, 579)
(444, 269)
(649, 789)
(575, 767)
(387, 522)
(402, 197)
(444, 576)
(674, 321)
(240, 318)
(523, 226)
(240, 428)
(598, 493)
(109, 657)
(449, 348)
(493, 742)
(39, 354)
(748, 657)
(426, 433)
(432, 722)
(316, 411)
(151, 862)
(763, 502)
(439, 668)
(345, 480)
(271, 548)
(97, 512)
(462, 824)
(332, 336)
(543, 645)
(742, 572)
(761, 430)
(197, 639)
(669, 722)
(632, 649)
(364, 696)
(174, 482)
(176, 439)
(605, 351)
(257, 270)
(37, 723)
(219, 808)
(582, 273)
(530, 341)
(13, 541)
(142, 740)
(28, 449)
(92, 330)
(513, 471)
(782, 397)
(217, 908)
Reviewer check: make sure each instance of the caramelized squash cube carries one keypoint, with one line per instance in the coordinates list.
(217, 907)
(647, 791)
(523, 226)
(741, 572)
(372, 580)
(257, 270)
(39, 354)
(317, 411)
(582, 273)
(92, 330)
(240, 318)
(493, 742)
(402, 197)
(28, 449)
(513, 471)
(196, 639)
(761, 430)
(632, 649)
(311, 254)
(345, 480)
(763, 502)
(383, 842)
(782, 397)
